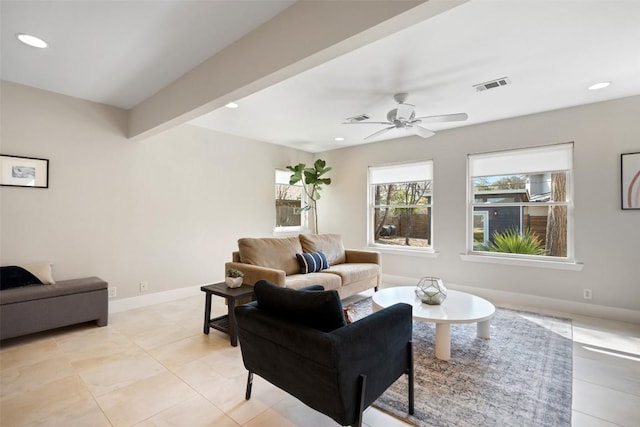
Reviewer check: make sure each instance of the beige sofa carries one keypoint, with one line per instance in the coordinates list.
(274, 259)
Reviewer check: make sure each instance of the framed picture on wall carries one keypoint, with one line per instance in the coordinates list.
(16, 171)
(630, 167)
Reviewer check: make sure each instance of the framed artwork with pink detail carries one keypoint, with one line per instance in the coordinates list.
(630, 167)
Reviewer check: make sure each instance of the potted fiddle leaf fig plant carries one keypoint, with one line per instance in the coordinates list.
(234, 278)
(312, 181)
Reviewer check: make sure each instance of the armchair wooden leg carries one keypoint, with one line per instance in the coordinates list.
(362, 382)
(410, 377)
(247, 395)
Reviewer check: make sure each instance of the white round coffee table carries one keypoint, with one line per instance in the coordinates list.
(459, 307)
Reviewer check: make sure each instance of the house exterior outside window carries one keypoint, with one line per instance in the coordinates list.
(288, 201)
(400, 206)
(521, 203)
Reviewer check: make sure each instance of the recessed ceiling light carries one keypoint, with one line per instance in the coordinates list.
(33, 41)
(338, 138)
(231, 105)
(599, 85)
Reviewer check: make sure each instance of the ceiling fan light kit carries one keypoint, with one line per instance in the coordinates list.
(404, 117)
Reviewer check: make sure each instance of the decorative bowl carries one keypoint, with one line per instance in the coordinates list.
(431, 290)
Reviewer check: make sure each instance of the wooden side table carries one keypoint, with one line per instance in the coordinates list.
(227, 322)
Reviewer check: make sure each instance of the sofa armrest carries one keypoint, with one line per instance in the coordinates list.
(360, 256)
(254, 273)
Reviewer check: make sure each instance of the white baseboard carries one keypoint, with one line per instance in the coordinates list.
(535, 303)
(118, 305)
(514, 300)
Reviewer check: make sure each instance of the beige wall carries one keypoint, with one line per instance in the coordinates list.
(606, 238)
(167, 210)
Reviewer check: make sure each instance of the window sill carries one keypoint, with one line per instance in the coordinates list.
(520, 262)
(289, 231)
(404, 252)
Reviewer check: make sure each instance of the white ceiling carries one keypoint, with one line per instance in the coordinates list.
(120, 52)
(550, 50)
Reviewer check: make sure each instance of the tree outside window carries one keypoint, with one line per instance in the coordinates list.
(288, 201)
(401, 201)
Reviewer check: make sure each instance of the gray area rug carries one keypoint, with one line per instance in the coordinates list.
(522, 376)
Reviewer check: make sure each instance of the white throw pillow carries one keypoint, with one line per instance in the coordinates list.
(42, 270)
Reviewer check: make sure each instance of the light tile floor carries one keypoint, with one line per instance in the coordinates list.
(154, 367)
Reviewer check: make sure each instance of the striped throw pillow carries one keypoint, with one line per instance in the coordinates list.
(311, 262)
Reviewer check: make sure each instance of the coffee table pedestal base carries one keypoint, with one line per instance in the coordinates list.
(443, 341)
(484, 329)
(443, 337)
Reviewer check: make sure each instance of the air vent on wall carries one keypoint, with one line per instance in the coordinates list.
(492, 84)
(360, 118)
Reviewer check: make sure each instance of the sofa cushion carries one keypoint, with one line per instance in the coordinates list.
(63, 287)
(312, 262)
(328, 281)
(320, 310)
(350, 273)
(13, 276)
(330, 244)
(271, 252)
(42, 270)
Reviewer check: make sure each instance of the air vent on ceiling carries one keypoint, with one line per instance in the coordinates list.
(492, 84)
(360, 118)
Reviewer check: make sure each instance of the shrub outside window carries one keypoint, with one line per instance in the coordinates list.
(521, 202)
(400, 205)
(288, 202)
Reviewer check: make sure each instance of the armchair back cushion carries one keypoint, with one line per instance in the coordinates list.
(319, 310)
(330, 244)
(271, 252)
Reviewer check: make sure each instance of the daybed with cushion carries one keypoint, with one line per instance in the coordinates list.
(32, 303)
(307, 259)
(298, 340)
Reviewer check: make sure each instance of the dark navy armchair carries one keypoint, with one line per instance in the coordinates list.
(298, 340)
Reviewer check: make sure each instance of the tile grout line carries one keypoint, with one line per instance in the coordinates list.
(597, 418)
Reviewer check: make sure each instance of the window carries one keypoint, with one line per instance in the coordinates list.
(288, 201)
(521, 202)
(400, 205)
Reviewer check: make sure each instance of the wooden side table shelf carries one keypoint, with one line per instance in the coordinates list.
(227, 322)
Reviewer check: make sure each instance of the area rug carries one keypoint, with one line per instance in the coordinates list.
(522, 376)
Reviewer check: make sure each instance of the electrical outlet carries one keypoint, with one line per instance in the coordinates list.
(144, 286)
(112, 291)
(586, 293)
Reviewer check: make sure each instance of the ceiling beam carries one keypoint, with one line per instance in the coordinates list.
(303, 36)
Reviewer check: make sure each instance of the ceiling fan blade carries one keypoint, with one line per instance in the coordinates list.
(380, 132)
(457, 117)
(366, 123)
(420, 131)
(404, 111)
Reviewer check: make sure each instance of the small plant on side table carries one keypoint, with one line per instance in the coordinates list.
(234, 278)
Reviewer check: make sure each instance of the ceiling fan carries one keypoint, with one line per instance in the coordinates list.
(404, 117)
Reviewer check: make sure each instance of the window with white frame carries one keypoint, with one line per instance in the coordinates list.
(289, 200)
(520, 202)
(400, 202)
